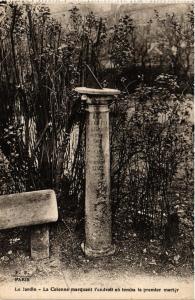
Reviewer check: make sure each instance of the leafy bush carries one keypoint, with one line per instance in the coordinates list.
(156, 137)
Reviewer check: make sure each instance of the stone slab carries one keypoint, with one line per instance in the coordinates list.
(30, 208)
(101, 92)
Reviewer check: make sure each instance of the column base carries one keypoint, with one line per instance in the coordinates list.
(97, 253)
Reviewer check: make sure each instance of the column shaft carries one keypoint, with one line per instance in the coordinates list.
(97, 197)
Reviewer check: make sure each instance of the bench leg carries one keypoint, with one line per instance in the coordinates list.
(39, 242)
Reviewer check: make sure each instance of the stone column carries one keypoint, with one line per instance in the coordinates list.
(98, 234)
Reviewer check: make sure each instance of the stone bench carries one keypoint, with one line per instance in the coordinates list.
(31, 209)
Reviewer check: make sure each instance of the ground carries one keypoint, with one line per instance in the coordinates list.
(133, 254)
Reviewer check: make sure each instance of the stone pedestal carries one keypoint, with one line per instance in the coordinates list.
(40, 242)
(98, 234)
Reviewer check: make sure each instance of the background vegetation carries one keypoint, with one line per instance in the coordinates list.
(42, 120)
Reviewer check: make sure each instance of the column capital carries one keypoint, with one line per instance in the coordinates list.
(97, 97)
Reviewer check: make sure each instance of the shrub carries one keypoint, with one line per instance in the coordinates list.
(152, 141)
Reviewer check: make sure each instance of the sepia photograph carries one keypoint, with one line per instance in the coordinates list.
(96, 149)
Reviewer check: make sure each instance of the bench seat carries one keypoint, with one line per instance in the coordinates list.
(28, 209)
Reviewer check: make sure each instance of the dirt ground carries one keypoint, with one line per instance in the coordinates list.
(133, 255)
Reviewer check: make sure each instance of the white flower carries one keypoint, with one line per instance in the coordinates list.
(174, 50)
(183, 44)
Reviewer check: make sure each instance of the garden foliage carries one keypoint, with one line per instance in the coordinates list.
(42, 119)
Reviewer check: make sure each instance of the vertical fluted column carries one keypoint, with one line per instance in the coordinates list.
(98, 232)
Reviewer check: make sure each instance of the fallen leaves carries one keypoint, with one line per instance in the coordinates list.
(4, 258)
(176, 258)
